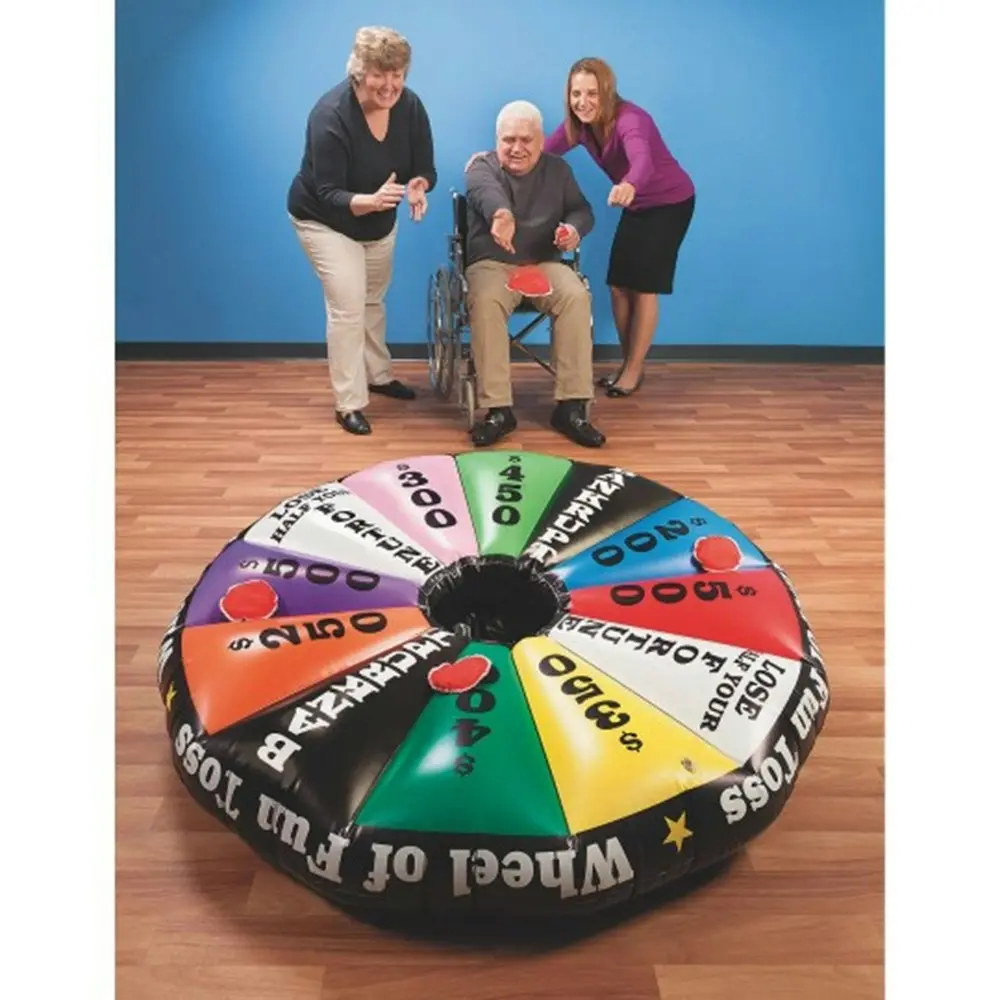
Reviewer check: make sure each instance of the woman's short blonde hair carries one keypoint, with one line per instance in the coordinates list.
(378, 48)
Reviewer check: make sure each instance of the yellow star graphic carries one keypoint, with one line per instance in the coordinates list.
(171, 694)
(678, 831)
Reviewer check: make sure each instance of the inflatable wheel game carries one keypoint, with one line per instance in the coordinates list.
(491, 682)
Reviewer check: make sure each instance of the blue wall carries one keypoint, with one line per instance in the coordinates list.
(775, 107)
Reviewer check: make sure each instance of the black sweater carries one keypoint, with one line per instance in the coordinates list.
(342, 158)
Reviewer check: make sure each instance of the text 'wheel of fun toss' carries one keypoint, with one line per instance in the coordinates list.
(496, 681)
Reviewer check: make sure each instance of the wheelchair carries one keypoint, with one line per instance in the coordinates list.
(449, 347)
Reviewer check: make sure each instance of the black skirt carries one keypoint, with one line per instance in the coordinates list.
(644, 252)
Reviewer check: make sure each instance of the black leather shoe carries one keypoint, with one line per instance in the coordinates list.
(354, 422)
(498, 422)
(570, 418)
(395, 388)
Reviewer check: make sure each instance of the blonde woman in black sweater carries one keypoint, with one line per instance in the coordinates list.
(368, 148)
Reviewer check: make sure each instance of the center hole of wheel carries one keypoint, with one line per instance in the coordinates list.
(493, 599)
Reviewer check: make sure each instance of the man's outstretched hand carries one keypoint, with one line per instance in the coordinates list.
(502, 229)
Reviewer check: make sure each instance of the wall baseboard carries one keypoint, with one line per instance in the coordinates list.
(743, 353)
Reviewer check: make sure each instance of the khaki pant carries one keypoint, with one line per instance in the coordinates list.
(490, 307)
(355, 277)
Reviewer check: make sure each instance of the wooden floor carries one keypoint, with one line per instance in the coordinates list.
(792, 454)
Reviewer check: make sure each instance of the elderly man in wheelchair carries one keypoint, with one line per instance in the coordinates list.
(524, 207)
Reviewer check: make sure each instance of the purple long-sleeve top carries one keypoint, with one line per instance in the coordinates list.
(635, 152)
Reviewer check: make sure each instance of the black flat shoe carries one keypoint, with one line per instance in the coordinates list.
(617, 393)
(395, 389)
(606, 381)
(570, 418)
(498, 422)
(354, 422)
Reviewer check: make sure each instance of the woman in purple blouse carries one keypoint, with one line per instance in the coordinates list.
(655, 193)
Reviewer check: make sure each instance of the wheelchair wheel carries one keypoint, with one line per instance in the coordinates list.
(442, 335)
(467, 391)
